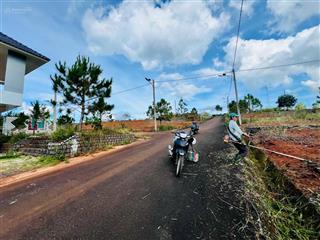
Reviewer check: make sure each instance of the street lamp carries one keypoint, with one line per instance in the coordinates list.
(151, 81)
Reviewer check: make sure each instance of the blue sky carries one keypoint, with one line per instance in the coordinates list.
(170, 40)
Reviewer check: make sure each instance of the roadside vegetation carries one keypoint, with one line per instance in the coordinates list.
(275, 206)
(14, 163)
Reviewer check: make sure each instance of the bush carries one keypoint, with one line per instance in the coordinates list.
(166, 127)
(63, 133)
(18, 137)
(4, 138)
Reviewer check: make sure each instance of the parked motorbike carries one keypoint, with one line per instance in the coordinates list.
(182, 142)
(194, 128)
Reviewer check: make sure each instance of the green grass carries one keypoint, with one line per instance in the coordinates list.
(279, 211)
(166, 128)
(298, 116)
(50, 160)
(9, 155)
(20, 163)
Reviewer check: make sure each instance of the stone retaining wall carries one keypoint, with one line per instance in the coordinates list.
(73, 146)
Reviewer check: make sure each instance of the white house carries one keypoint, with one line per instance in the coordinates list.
(16, 61)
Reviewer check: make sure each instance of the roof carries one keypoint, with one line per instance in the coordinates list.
(13, 43)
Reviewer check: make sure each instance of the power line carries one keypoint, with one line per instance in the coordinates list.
(194, 77)
(235, 50)
(278, 66)
(130, 89)
(215, 75)
(123, 91)
(240, 70)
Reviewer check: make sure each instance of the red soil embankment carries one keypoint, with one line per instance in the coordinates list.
(299, 142)
(141, 125)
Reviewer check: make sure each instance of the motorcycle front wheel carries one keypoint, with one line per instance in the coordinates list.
(179, 165)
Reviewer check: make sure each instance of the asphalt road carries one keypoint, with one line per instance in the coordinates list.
(131, 194)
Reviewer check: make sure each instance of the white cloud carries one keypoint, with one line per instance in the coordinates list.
(180, 88)
(247, 7)
(252, 53)
(287, 15)
(179, 32)
(313, 85)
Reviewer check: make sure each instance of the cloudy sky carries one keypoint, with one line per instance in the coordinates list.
(181, 44)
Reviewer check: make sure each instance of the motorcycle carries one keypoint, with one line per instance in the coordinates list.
(194, 128)
(180, 150)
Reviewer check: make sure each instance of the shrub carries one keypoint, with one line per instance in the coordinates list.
(62, 133)
(166, 127)
(18, 137)
(4, 138)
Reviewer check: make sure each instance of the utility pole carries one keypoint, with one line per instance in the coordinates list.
(236, 91)
(55, 111)
(152, 82)
(227, 103)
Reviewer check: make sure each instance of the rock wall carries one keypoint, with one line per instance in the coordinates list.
(73, 146)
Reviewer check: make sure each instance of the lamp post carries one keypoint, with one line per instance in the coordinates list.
(151, 81)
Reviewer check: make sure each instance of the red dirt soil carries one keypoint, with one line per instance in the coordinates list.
(299, 142)
(141, 125)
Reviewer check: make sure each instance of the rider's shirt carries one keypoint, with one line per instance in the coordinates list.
(234, 128)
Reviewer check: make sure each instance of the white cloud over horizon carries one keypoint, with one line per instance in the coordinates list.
(177, 33)
(252, 53)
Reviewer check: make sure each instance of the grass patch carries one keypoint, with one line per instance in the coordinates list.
(9, 155)
(50, 160)
(298, 116)
(21, 163)
(278, 211)
(166, 128)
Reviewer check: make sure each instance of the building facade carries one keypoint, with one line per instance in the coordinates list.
(16, 61)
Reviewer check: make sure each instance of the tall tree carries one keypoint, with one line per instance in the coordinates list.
(65, 119)
(243, 105)
(163, 110)
(56, 81)
(253, 103)
(99, 108)
(38, 112)
(182, 107)
(21, 120)
(194, 114)
(286, 101)
(81, 83)
(218, 108)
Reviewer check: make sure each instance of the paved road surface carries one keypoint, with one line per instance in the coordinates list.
(130, 194)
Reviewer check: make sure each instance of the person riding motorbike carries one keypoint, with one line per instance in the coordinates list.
(194, 127)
